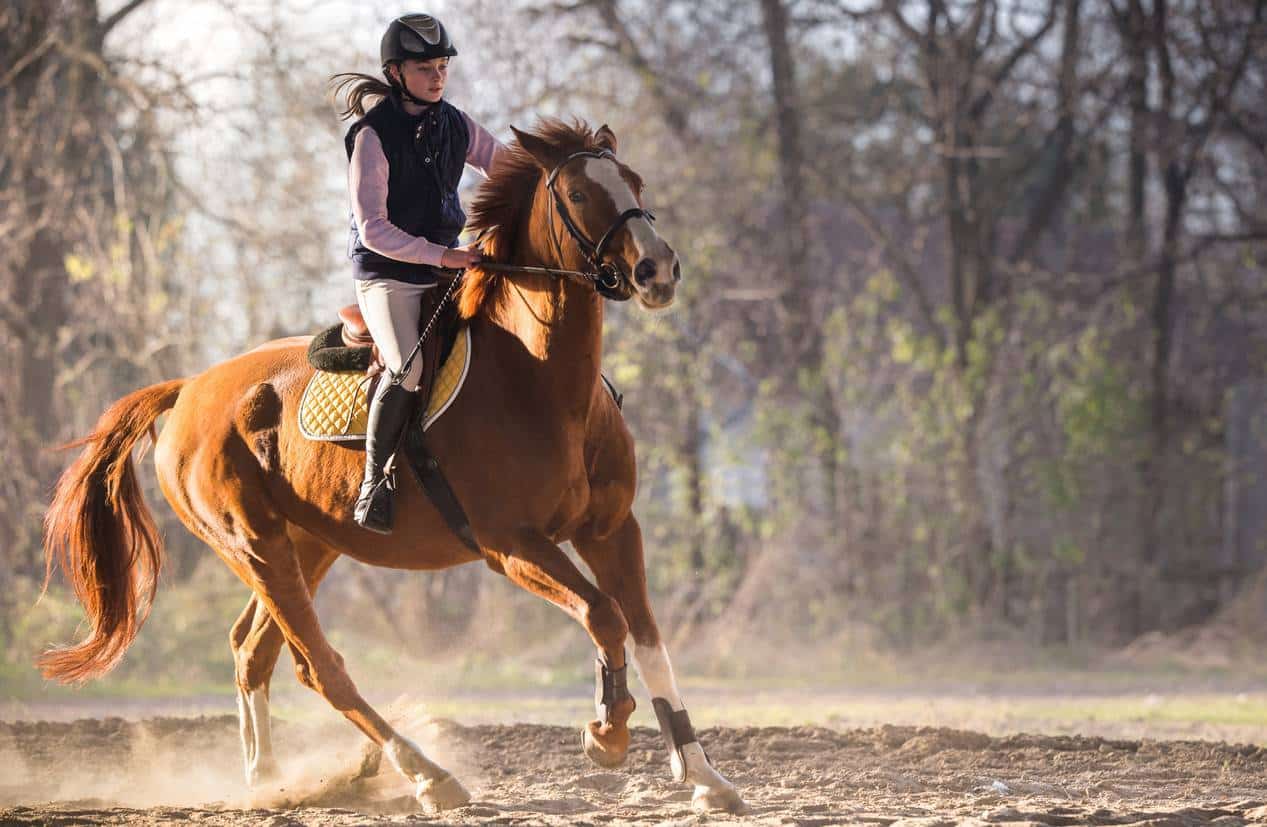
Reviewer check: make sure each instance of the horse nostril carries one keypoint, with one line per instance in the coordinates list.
(645, 271)
(677, 270)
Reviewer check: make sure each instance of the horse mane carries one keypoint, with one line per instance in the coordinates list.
(503, 199)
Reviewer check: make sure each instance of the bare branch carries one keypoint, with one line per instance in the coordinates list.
(1000, 74)
(118, 16)
(671, 106)
(894, 8)
(27, 59)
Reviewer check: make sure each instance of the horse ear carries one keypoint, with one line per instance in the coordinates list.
(546, 156)
(605, 138)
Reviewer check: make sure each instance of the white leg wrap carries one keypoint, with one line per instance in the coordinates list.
(257, 702)
(246, 730)
(652, 663)
(688, 761)
(257, 739)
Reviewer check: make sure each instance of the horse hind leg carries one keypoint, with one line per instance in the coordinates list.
(233, 510)
(255, 645)
(274, 573)
(256, 642)
(618, 566)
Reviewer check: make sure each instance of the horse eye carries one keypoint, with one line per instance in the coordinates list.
(576, 197)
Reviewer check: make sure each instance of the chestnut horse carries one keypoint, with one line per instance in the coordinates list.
(534, 447)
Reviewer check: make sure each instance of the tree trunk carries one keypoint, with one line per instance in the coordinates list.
(803, 330)
(1132, 25)
(1136, 43)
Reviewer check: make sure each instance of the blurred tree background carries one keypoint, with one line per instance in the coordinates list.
(970, 346)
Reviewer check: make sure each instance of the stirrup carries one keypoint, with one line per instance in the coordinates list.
(374, 509)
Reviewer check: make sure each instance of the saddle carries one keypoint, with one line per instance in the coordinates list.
(354, 332)
(348, 346)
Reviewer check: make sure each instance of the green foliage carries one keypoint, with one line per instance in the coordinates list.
(1100, 412)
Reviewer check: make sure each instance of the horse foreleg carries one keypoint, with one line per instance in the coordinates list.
(618, 566)
(542, 568)
(256, 641)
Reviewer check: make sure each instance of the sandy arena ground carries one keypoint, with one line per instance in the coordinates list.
(161, 770)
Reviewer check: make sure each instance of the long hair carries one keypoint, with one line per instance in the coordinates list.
(357, 87)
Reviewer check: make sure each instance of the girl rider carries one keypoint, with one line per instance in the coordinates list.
(406, 159)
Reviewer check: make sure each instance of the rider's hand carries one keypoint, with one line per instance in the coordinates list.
(459, 258)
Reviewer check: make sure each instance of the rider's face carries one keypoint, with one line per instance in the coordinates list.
(425, 79)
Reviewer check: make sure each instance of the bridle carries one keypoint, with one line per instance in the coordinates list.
(607, 276)
(604, 276)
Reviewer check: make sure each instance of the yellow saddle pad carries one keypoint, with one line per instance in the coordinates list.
(335, 406)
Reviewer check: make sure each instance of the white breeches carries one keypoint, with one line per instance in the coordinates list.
(392, 309)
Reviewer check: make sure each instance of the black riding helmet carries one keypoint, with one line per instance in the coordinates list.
(415, 37)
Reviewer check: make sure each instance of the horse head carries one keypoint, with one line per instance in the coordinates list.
(594, 213)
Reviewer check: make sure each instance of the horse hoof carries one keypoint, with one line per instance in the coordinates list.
(725, 798)
(437, 794)
(607, 751)
(371, 761)
(263, 774)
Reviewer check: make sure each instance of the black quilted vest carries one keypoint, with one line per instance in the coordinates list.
(425, 155)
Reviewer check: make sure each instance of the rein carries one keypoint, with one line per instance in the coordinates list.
(581, 275)
(604, 278)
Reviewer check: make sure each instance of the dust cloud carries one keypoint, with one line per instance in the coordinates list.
(197, 762)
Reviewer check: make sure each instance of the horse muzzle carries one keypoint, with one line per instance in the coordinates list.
(655, 280)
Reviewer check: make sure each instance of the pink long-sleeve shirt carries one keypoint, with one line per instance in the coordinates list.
(367, 185)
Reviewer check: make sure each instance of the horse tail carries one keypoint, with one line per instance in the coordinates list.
(100, 533)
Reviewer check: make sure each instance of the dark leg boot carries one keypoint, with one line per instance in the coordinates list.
(390, 410)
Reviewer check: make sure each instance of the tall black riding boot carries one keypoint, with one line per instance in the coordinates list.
(390, 410)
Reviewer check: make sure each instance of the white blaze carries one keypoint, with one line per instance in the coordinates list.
(605, 173)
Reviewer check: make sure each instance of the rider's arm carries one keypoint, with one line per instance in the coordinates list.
(483, 149)
(367, 184)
